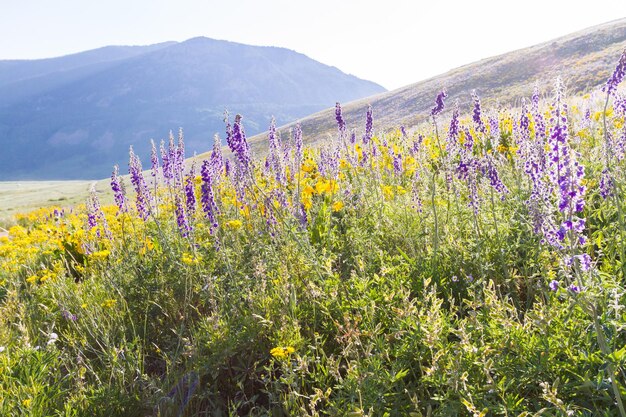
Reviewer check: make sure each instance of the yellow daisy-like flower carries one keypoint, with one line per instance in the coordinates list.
(233, 224)
(110, 303)
(337, 206)
(280, 352)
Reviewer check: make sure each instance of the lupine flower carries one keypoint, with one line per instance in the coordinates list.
(574, 288)
(181, 217)
(341, 125)
(554, 285)
(606, 184)
(217, 159)
(208, 198)
(154, 158)
(274, 159)
(617, 77)
(143, 198)
(476, 115)
(239, 145)
(439, 103)
(190, 194)
(368, 125)
(119, 193)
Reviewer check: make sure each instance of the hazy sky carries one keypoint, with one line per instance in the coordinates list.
(392, 42)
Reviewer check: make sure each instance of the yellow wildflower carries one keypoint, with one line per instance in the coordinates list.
(281, 352)
(337, 206)
(234, 224)
(109, 303)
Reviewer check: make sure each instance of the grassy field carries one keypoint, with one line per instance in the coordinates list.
(23, 196)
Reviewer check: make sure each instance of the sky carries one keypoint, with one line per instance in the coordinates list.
(391, 42)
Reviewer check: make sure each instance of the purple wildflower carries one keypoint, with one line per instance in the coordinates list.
(143, 197)
(574, 288)
(154, 158)
(554, 285)
(617, 77)
(368, 125)
(476, 116)
(439, 103)
(208, 197)
(119, 194)
(181, 217)
(190, 191)
(239, 145)
(606, 184)
(341, 125)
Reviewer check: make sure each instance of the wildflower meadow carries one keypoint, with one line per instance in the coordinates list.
(472, 266)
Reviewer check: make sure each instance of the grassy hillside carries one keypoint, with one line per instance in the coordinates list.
(582, 59)
(473, 267)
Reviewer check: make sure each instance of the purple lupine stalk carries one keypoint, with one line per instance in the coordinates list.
(618, 75)
(566, 174)
(397, 164)
(403, 131)
(353, 137)
(274, 157)
(239, 145)
(119, 193)
(181, 217)
(154, 159)
(166, 168)
(476, 115)
(540, 124)
(494, 131)
(467, 170)
(217, 159)
(179, 157)
(208, 197)
(439, 103)
(369, 123)
(190, 191)
(95, 213)
(452, 139)
(491, 171)
(143, 198)
(341, 125)
(299, 146)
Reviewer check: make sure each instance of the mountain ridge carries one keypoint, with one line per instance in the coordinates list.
(76, 121)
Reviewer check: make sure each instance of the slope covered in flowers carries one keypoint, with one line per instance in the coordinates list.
(473, 267)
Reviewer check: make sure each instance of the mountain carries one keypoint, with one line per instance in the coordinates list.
(73, 117)
(584, 60)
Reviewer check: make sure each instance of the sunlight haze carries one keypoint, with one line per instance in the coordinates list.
(394, 43)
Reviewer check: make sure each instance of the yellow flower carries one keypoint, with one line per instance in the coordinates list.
(281, 352)
(100, 255)
(388, 192)
(32, 279)
(234, 224)
(308, 166)
(26, 402)
(189, 259)
(337, 205)
(109, 303)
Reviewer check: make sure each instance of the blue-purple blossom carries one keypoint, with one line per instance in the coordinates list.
(476, 115)
(439, 103)
(207, 199)
(617, 76)
(119, 194)
(190, 191)
(143, 198)
(239, 145)
(341, 125)
(554, 285)
(368, 125)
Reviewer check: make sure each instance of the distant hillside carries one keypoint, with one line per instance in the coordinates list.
(583, 59)
(74, 117)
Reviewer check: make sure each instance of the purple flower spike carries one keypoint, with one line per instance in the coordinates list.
(439, 104)
(368, 125)
(574, 288)
(554, 285)
(618, 75)
(341, 125)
